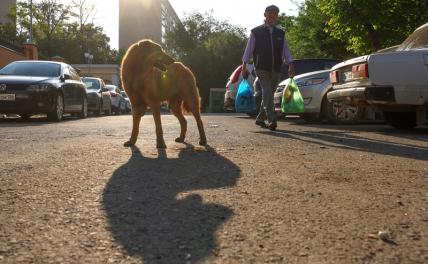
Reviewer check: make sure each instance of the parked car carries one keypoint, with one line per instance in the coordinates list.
(300, 66)
(42, 87)
(126, 102)
(99, 99)
(394, 80)
(116, 99)
(312, 77)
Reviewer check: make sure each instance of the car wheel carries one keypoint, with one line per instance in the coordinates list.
(402, 120)
(342, 113)
(57, 113)
(84, 112)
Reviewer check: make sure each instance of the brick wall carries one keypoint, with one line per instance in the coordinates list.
(8, 55)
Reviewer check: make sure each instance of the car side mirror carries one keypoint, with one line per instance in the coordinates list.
(65, 77)
(104, 89)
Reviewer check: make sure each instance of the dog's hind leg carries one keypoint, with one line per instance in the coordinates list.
(194, 109)
(202, 137)
(160, 142)
(175, 106)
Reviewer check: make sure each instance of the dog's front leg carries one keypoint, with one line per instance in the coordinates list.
(136, 118)
(160, 142)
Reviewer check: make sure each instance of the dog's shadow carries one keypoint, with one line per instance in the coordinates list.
(153, 218)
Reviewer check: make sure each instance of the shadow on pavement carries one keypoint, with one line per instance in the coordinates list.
(348, 141)
(151, 217)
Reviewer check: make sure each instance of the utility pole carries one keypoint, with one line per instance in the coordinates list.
(31, 21)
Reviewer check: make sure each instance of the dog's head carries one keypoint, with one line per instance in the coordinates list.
(152, 55)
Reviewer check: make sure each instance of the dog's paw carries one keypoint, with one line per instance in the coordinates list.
(203, 142)
(160, 144)
(179, 140)
(128, 144)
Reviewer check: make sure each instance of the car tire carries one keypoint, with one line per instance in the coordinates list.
(57, 113)
(342, 113)
(84, 112)
(401, 120)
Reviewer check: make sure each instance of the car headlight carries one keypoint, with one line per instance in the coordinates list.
(280, 88)
(312, 81)
(39, 88)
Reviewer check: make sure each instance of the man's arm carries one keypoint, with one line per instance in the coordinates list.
(287, 58)
(248, 53)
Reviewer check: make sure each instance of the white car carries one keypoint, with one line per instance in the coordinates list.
(394, 80)
(115, 97)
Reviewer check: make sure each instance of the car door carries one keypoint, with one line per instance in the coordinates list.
(105, 94)
(79, 89)
(68, 90)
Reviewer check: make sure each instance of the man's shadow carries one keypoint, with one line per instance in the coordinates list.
(149, 218)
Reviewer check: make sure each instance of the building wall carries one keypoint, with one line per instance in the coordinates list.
(144, 19)
(110, 73)
(5, 6)
(7, 56)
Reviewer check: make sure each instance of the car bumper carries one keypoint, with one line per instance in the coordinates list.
(364, 95)
(28, 103)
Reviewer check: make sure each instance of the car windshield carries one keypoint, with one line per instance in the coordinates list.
(40, 69)
(91, 84)
(416, 40)
(111, 88)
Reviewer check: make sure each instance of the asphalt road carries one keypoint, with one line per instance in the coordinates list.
(306, 193)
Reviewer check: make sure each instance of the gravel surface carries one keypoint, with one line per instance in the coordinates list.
(306, 193)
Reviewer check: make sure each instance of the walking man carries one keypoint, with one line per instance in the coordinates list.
(268, 48)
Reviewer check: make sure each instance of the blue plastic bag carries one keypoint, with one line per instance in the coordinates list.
(244, 100)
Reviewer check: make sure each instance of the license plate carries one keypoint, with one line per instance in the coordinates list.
(7, 97)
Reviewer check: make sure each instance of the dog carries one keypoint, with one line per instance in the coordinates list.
(149, 76)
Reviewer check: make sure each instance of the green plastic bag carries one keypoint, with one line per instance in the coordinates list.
(292, 101)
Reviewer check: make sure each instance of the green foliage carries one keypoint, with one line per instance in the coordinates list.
(307, 37)
(366, 25)
(56, 35)
(210, 48)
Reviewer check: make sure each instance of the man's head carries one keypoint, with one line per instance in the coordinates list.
(271, 15)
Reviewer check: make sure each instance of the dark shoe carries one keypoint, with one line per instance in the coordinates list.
(272, 126)
(261, 123)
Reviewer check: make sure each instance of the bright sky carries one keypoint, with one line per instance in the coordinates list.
(246, 13)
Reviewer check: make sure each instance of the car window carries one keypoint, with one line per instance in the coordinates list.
(42, 69)
(91, 83)
(74, 75)
(308, 65)
(416, 40)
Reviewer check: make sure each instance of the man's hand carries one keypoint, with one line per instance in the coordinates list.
(245, 72)
(291, 71)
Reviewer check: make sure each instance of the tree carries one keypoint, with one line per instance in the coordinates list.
(307, 37)
(210, 48)
(367, 25)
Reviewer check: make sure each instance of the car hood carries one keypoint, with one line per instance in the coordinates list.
(12, 79)
(352, 61)
(91, 91)
(305, 76)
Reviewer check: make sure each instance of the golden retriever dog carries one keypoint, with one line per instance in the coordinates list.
(149, 77)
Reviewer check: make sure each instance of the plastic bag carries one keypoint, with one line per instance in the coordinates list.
(292, 101)
(244, 100)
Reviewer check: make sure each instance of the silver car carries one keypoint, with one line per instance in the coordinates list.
(314, 86)
(99, 99)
